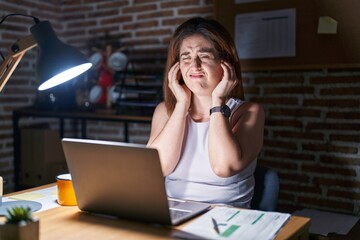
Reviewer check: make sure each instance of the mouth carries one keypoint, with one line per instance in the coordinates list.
(196, 75)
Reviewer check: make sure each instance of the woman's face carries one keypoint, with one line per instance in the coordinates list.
(200, 64)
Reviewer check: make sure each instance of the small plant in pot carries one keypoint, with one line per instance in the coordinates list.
(19, 225)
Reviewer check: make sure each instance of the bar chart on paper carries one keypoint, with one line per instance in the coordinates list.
(234, 223)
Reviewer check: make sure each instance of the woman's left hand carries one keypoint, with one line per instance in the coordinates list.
(227, 83)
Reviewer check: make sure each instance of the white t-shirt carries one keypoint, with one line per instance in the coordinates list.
(194, 179)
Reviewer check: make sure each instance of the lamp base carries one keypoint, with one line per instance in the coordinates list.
(34, 206)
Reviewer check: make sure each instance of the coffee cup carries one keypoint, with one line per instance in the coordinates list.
(65, 190)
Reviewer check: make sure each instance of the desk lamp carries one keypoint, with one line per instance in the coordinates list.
(57, 63)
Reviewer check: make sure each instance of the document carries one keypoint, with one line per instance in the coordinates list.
(266, 34)
(47, 197)
(234, 223)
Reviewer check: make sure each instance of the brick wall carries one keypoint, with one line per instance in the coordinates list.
(312, 117)
(311, 136)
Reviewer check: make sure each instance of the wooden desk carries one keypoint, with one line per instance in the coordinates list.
(70, 223)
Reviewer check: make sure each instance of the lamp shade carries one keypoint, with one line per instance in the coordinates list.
(57, 62)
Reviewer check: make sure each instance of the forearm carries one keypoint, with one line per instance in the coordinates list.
(224, 149)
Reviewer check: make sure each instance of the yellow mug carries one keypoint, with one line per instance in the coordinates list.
(65, 190)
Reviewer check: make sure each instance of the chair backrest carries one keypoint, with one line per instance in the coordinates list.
(266, 189)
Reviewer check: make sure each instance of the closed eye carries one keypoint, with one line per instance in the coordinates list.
(186, 59)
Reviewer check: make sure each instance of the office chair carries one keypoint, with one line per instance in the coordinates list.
(266, 189)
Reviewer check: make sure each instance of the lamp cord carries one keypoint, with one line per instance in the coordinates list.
(36, 20)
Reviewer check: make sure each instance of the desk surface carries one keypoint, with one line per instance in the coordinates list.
(70, 223)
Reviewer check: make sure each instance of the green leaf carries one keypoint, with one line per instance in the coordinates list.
(18, 214)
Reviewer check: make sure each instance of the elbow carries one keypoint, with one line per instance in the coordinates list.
(225, 171)
(221, 172)
(166, 170)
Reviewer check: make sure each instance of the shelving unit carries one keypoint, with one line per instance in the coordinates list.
(139, 91)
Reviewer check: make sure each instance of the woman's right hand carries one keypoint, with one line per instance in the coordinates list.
(181, 92)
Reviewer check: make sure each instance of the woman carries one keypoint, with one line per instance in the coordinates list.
(207, 136)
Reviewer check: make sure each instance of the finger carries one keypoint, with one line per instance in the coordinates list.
(171, 76)
(232, 75)
(226, 71)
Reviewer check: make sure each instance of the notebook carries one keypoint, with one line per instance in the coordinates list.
(123, 180)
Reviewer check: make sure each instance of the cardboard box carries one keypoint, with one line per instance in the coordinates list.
(42, 156)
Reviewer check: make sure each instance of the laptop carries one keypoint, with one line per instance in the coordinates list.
(124, 180)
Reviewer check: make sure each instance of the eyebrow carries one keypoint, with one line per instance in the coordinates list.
(202, 50)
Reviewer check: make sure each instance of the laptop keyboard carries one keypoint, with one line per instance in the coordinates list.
(176, 214)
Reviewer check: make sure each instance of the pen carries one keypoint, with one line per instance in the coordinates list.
(215, 226)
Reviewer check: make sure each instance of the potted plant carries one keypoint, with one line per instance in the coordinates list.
(19, 225)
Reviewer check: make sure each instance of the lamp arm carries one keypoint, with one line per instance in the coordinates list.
(16, 52)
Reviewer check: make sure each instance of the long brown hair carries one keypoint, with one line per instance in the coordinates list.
(222, 41)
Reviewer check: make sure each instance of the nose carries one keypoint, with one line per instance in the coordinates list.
(196, 63)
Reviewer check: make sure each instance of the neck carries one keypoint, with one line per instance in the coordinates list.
(200, 108)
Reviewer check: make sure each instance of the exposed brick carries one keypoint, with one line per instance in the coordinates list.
(137, 2)
(340, 91)
(292, 80)
(142, 42)
(334, 80)
(81, 24)
(105, 30)
(296, 112)
(299, 135)
(138, 25)
(116, 19)
(328, 147)
(300, 188)
(317, 168)
(343, 161)
(345, 138)
(71, 10)
(11, 8)
(282, 144)
(166, 40)
(277, 165)
(294, 177)
(112, 5)
(17, 32)
(174, 4)
(97, 14)
(344, 194)
(289, 155)
(349, 103)
(251, 90)
(74, 17)
(139, 8)
(286, 196)
(276, 100)
(344, 115)
(159, 32)
(283, 123)
(326, 203)
(346, 183)
(74, 33)
(333, 126)
(174, 21)
(156, 14)
(193, 10)
(289, 90)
